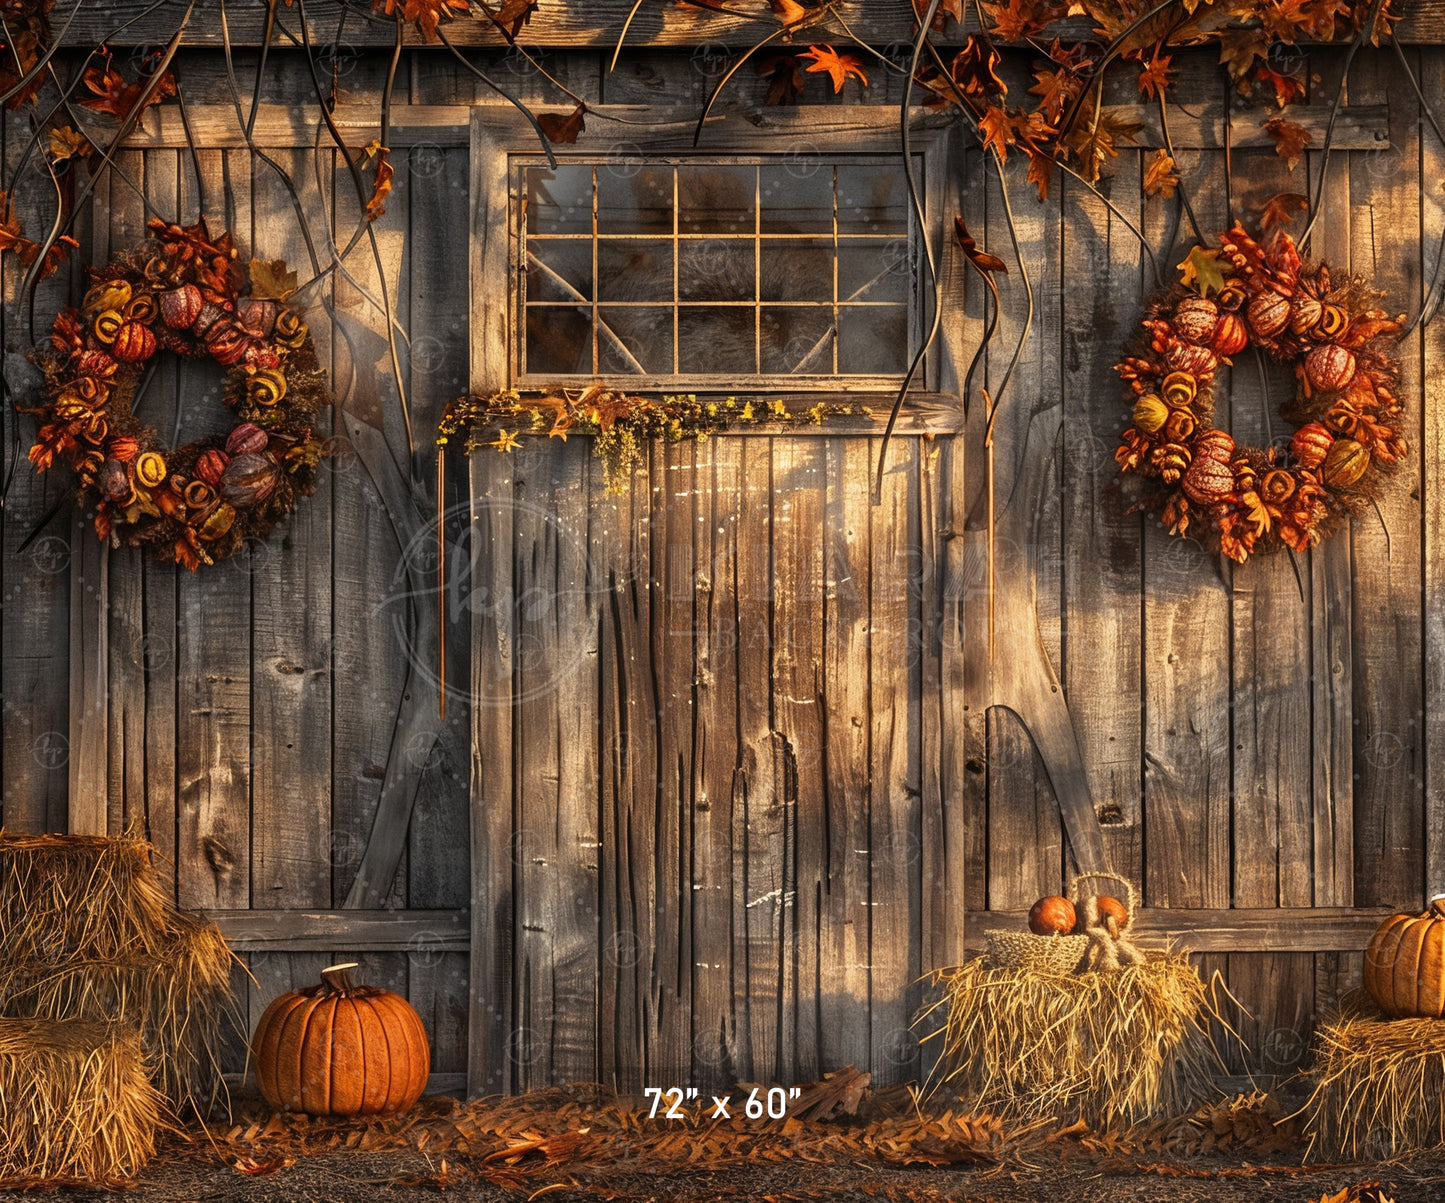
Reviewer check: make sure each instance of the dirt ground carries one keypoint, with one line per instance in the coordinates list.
(576, 1143)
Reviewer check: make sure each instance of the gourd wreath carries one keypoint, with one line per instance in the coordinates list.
(1347, 416)
(186, 293)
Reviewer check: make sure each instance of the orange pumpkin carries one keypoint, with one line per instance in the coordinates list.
(340, 1049)
(1405, 963)
(1113, 907)
(1052, 916)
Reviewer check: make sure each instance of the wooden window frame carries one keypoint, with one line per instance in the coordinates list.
(502, 138)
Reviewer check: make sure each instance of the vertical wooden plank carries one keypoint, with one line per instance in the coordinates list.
(555, 768)
(213, 665)
(798, 480)
(1388, 704)
(845, 1035)
(493, 907)
(767, 981)
(674, 512)
(716, 762)
(1103, 575)
(893, 812)
(622, 548)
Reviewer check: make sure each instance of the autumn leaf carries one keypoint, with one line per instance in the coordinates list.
(984, 263)
(271, 280)
(788, 11)
(1286, 87)
(1097, 140)
(975, 69)
(1280, 209)
(1289, 139)
(1201, 271)
(27, 250)
(251, 1165)
(1155, 76)
(563, 129)
(381, 188)
(111, 94)
(510, 17)
(1041, 171)
(426, 15)
(1057, 90)
(1239, 49)
(1160, 178)
(66, 143)
(839, 66)
(1019, 20)
(946, 9)
(784, 74)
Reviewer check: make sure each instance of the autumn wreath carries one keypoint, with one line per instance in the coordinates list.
(1347, 415)
(187, 293)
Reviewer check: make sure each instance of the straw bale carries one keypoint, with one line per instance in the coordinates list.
(1112, 1048)
(75, 1101)
(1378, 1083)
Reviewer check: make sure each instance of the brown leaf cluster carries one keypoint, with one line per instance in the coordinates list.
(25, 249)
(111, 94)
(28, 26)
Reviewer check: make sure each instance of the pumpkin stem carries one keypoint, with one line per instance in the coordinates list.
(338, 977)
(1437, 905)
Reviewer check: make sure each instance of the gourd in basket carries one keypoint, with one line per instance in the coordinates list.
(1070, 934)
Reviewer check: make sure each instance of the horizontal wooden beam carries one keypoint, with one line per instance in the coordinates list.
(423, 933)
(1263, 929)
(560, 24)
(1357, 127)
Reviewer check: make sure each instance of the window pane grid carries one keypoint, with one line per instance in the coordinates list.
(645, 300)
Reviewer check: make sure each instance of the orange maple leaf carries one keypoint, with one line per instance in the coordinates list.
(1019, 20)
(1286, 87)
(425, 14)
(1057, 90)
(111, 94)
(1289, 139)
(1155, 76)
(839, 65)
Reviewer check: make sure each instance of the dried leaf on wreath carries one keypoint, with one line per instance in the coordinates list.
(1154, 78)
(1289, 139)
(946, 9)
(111, 94)
(1041, 171)
(839, 65)
(786, 81)
(788, 11)
(1240, 49)
(564, 130)
(1202, 271)
(271, 280)
(1000, 128)
(1280, 209)
(1056, 90)
(1160, 178)
(381, 187)
(1019, 20)
(981, 260)
(511, 16)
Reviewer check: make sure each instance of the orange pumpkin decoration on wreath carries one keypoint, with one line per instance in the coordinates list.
(1405, 964)
(1348, 416)
(340, 1049)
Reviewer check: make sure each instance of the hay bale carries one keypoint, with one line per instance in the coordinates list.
(69, 896)
(177, 997)
(1113, 1048)
(1377, 1085)
(75, 1102)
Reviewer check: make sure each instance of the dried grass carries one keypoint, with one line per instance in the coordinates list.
(1113, 1049)
(75, 1102)
(1378, 1085)
(86, 932)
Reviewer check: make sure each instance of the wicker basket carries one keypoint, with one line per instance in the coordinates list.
(1049, 954)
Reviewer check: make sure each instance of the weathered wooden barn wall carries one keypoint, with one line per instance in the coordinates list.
(1253, 743)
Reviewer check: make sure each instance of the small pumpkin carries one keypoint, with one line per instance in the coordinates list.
(1150, 413)
(1113, 908)
(134, 343)
(1231, 335)
(1345, 464)
(180, 307)
(1194, 319)
(1329, 367)
(1310, 444)
(248, 480)
(341, 1049)
(1052, 916)
(1268, 313)
(1405, 963)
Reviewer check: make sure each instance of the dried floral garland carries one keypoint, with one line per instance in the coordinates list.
(1245, 499)
(620, 421)
(185, 292)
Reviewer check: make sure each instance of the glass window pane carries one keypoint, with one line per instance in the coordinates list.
(716, 269)
(797, 271)
(559, 271)
(635, 200)
(559, 340)
(634, 269)
(635, 340)
(874, 271)
(716, 199)
(873, 199)
(796, 338)
(560, 201)
(873, 340)
(716, 340)
(796, 197)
